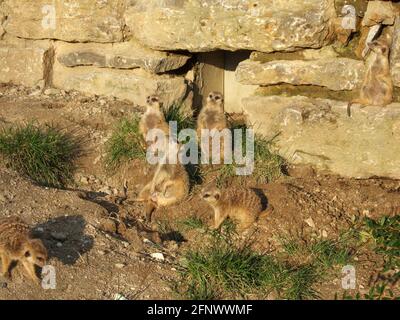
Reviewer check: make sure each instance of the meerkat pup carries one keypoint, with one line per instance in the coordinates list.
(242, 205)
(153, 118)
(169, 186)
(212, 116)
(17, 245)
(377, 88)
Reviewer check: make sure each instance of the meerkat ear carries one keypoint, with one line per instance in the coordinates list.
(217, 195)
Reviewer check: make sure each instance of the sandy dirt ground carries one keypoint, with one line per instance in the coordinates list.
(95, 258)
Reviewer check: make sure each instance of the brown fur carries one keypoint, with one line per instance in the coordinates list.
(212, 116)
(153, 118)
(377, 88)
(16, 244)
(242, 205)
(170, 185)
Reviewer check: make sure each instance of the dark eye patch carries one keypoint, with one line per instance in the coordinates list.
(207, 195)
(27, 254)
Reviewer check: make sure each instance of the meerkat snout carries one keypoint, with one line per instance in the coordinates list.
(36, 253)
(215, 97)
(152, 100)
(211, 195)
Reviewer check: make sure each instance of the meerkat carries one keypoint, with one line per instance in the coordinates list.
(377, 88)
(153, 118)
(242, 205)
(169, 186)
(16, 244)
(212, 116)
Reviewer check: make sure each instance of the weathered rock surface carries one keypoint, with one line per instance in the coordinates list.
(126, 55)
(319, 132)
(23, 61)
(395, 54)
(206, 25)
(72, 20)
(134, 85)
(379, 12)
(333, 73)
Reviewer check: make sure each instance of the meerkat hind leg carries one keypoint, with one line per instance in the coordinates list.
(5, 262)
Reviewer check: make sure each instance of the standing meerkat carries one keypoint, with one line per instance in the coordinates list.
(242, 205)
(153, 118)
(377, 88)
(169, 186)
(212, 116)
(16, 244)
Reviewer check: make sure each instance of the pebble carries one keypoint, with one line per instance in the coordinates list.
(61, 236)
(310, 222)
(158, 256)
(59, 244)
(120, 265)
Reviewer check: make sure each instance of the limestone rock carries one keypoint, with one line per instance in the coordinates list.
(134, 85)
(333, 73)
(23, 62)
(319, 132)
(379, 12)
(395, 54)
(207, 25)
(126, 55)
(72, 20)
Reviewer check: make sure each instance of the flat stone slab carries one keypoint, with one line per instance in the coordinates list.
(319, 132)
(207, 25)
(126, 55)
(334, 73)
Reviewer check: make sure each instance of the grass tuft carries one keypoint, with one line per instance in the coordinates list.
(125, 144)
(175, 113)
(43, 153)
(223, 268)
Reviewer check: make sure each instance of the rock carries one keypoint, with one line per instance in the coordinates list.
(207, 25)
(134, 85)
(61, 236)
(126, 55)
(318, 54)
(120, 265)
(22, 62)
(379, 12)
(310, 222)
(59, 244)
(333, 73)
(158, 256)
(320, 133)
(73, 20)
(52, 92)
(108, 225)
(395, 54)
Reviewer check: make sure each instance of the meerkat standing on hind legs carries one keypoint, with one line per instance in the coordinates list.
(17, 245)
(377, 88)
(212, 117)
(242, 205)
(153, 118)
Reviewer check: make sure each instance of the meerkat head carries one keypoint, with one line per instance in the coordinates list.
(153, 102)
(215, 98)
(35, 252)
(212, 195)
(379, 47)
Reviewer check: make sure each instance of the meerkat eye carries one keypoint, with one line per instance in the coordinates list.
(210, 96)
(207, 195)
(154, 100)
(27, 254)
